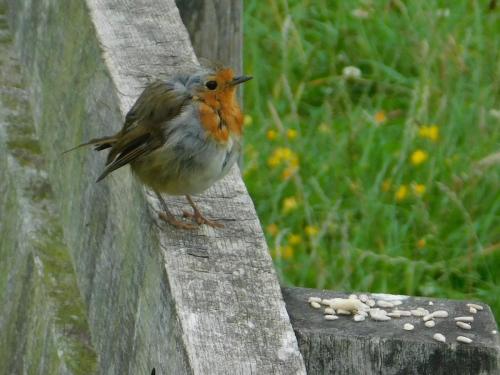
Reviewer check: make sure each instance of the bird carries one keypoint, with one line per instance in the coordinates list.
(181, 136)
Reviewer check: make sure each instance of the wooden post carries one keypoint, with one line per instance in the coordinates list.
(182, 302)
(215, 28)
(346, 347)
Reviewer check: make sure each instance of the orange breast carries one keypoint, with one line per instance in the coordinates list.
(221, 117)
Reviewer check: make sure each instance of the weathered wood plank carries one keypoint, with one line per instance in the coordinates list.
(215, 28)
(344, 346)
(202, 302)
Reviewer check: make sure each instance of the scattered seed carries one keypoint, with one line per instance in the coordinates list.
(331, 317)
(326, 301)
(427, 317)
(419, 312)
(394, 314)
(359, 318)
(494, 332)
(465, 318)
(473, 310)
(475, 305)
(363, 298)
(463, 325)
(383, 303)
(440, 314)
(353, 296)
(343, 312)
(314, 299)
(351, 305)
(464, 339)
(430, 323)
(397, 302)
(329, 311)
(402, 312)
(408, 327)
(315, 304)
(431, 304)
(380, 315)
(362, 312)
(439, 337)
(370, 302)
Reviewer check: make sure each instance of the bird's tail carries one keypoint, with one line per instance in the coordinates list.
(98, 143)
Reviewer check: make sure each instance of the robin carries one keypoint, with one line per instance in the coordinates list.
(180, 137)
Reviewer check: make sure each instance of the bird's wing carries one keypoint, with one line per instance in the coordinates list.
(143, 130)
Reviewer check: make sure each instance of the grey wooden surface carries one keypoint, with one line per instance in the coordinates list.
(344, 346)
(203, 302)
(215, 28)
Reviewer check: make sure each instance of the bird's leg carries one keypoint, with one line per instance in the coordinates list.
(198, 217)
(169, 217)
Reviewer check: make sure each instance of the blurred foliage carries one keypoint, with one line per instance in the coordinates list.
(371, 146)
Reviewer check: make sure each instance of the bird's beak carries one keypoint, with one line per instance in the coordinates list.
(240, 79)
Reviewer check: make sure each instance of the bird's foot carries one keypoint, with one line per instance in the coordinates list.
(200, 219)
(170, 219)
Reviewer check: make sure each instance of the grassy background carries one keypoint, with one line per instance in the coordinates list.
(388, 182)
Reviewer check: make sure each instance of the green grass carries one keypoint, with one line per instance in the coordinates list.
(420, 68)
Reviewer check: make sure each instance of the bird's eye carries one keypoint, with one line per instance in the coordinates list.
(211, 85)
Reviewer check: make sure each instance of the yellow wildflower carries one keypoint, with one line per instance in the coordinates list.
(291, 133)
(421, 243)
(380, 117)
(288, 172)
(418, 157)
(287, 252)
(294, 239)
(273, 161)
(272, 134)
(386, 185)
(429, 131)
(272, 229)
(289, 204)
(418, 189)
(311, 230)
(247, 120)
(401, 193)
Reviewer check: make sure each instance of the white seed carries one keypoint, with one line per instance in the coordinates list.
(315, 304)
(431, 304)
(408, 327)
(363, 313)
(383, 303)
(363, 298)
(397, 302)
(473, 310)
(419, 312)
(380, 315)
(475, 305)
(343, 312)
(427, 317)
(394, 314)
(314, 299)
(430, 323)
(327, 301)
(359, 318)
(402, 312)
(439, 337)
(347, 304)
(463, 325)
(464, 339)
(370, 302)
(329, 311)
(440, 314)
(353, 296)
(494, 332)
(331, 317)
(465, 318)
